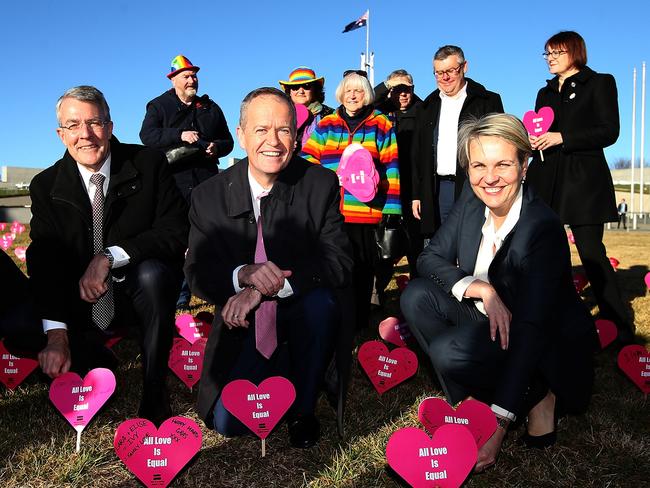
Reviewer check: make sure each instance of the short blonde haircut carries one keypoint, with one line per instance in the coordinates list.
(354, 81)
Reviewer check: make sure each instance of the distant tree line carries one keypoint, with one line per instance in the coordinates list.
(624, 163)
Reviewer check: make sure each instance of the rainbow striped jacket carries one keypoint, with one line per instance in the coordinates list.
(326, 145)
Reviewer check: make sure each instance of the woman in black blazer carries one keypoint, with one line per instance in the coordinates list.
(495, 309)
(574, 178)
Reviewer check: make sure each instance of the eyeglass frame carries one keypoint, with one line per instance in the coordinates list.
(94, 125)
(555, 53)
(449, 72)
(359, 72)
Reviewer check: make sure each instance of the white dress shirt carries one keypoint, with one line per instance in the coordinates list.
(447, 147)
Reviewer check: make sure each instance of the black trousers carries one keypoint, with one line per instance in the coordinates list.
(366, 257)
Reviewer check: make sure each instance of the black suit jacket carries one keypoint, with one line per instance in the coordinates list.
(424, 149)
(303, 232)
(143, 213)
(531, 273)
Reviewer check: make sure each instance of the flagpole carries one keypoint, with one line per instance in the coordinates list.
(641, 152)
(632, 162)
(368, 42)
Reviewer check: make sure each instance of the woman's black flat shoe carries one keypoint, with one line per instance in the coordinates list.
(538, 441)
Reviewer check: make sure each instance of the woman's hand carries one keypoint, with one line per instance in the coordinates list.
(546, 141)
(496, 310)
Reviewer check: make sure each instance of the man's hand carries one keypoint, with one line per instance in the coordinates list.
(189, 136)
(266, 277)
(497, 312)
(487, 454)
(55, 359)
(238, 307)
(211, 150)
(92, 284)
(415, 207)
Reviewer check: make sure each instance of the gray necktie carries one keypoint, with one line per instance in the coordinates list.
(103, 310)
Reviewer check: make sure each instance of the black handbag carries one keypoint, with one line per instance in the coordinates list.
(391, 237)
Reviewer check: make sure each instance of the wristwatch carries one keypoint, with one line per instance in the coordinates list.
(502, 422)
(109, 256)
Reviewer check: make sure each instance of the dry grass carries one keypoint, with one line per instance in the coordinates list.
(607, 447)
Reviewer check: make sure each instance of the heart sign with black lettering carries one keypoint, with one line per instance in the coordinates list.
(386, 369)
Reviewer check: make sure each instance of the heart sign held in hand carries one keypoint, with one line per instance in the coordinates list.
(607, 332)
(357, 173)
(442, 461)
(386, 369)
(634, 360)
(156, 456)
(261, 407)
(579, 281)
(192, 328)
(14, 370)
(475, 415)
(302, 114)
(395, 331)
(538, 123)
(186, 360)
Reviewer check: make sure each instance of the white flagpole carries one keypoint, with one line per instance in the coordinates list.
(632, 161)
(641, 152)
(368, 49)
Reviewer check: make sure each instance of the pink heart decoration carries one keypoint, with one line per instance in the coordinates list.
(79, 401)
(17, 228)
(401, 281)
(357, 172)
(186, 360)
(647, 280)
(14, 370)
(475, 415)
(538, 124)
(614, 262)
(442, 461)
(302, 114)
(395, 331)
(5, 243)
(579, 281)
(20, 252)
(634, 360)
(156, 456)
(386, 369)
(3, 225)
(261, 407)
(192, 328)
(607, 332)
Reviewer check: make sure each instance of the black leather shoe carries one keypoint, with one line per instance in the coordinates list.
(304, 431)
(155, 404)
(538, 441)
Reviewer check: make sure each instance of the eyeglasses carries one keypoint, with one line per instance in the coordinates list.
(553, 54)
(359, 72)
(94, 125)
(304, 86)
(451, 72)
(356, 91)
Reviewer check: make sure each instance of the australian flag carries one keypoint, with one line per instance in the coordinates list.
(357, 24)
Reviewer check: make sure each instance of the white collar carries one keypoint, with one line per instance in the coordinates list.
(511, 220)
(85, 173)
(256, 188)
(462, 93)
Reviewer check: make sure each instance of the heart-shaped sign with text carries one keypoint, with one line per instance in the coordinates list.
(14, 370)
(475, 415)
(579, 281)
(386, 369)
(607, 332)
(634, 360)
(186, 360)
(395, 331)
(79, 401)
(357, 172)
(538, 123)
(156, 456)
(261, 407)
(442, 461)
(192, 328)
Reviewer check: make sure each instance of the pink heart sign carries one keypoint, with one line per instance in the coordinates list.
(17, 228)
(634, 360)
(261, 407)
(79, 401)
(186, 360)
(192, 328)
(442, 461)
(14, 370)
(357, 172)
(3, 225)
(386, 369)
(302, 114)
(647, 280)
(20, 252)
(538, 123)
(475, 415)
(579, 281)
(395, 331)
(5, 243)
(614, 262)
(571, 238)
(607, 332)
(156, 456)
(401, 281)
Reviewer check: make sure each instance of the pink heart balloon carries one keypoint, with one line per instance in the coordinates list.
(634, 361)
(192, 328)
(614, 262)
(538, 123)
(647, 280)
(394, 331)
(156, 456)
(79, 401)
(357, 172)
(386, 369)
(261, 407)
(14, 370)
(20, 252)
(475, 415)
(607, 332)
(402, 281)
(302, 114)
(442, 461)
(579, 281)
(186, 360)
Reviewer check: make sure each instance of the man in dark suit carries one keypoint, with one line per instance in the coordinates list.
(437, 177)
(108, 235)
(622, 214)
(267, 244)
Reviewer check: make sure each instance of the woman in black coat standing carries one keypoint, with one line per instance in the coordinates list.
(573, 177)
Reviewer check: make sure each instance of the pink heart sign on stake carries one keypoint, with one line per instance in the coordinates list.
(395, 331)
(192, 328)
(614, 262)
(442, 461)
(14, 370)
(634, 361)
(3, 225)
(261, 407)
(186, 360)
(647, 280)
(20, 252)
(607, 332)
(386, 369)
(475, 415)
(357, 172)
(571, 238)
(156, 456)
(538, 123)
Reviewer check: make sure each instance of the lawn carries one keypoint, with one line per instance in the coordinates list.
(608, 446)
